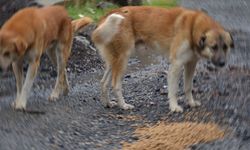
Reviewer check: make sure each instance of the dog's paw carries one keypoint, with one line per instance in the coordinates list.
(176, 108)
(53, 97)
(126, 106)
(110, 104)
(194, 103)
(65, 91)
(18, 105)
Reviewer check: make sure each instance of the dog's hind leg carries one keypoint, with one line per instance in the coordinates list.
(118, 68)
(62, 85)
(62, 55)
(51, 52)
(104, 90)
(189, 70)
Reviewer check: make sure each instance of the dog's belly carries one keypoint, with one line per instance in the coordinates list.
(159, 47)
(158, 42)
(154, 47)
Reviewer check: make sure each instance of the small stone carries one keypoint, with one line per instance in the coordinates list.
(60, 131)
(163, 91)
(151, 103)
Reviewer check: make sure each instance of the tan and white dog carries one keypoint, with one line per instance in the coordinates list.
(182, 35)
(26, 36)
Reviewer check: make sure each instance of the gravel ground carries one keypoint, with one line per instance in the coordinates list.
(78, 121)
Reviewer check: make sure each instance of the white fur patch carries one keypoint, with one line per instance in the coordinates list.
(110, 27)
(184, 53)
(115, 16)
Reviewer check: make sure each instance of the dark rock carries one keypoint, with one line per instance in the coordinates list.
(9, 7)
(104, 5)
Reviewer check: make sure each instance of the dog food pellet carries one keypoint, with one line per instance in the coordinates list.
(174, 136)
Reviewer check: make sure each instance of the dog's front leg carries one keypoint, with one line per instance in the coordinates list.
(188, 83)
(18, 71)
(173, 77)
(21, 101)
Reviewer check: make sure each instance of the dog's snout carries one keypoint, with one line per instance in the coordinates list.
(222, 63)
(219, 63)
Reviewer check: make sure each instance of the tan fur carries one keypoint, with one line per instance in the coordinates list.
(26, 36)
(77, 24)
(178, 33)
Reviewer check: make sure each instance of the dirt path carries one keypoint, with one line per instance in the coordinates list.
(78, 121)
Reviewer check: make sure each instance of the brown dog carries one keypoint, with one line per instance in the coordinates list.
(183, 36)
(26, 36)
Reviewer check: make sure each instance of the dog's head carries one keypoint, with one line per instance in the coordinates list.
(11, 47)
(215, 45)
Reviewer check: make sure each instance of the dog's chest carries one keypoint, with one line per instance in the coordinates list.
(184, 52)
(31, 55)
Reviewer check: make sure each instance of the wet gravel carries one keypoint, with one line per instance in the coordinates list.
(78, 121)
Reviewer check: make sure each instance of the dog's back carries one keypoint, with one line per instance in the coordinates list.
(56, 19)
(47, 23)
(145, 24)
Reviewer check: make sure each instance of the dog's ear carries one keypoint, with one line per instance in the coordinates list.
(229, 39)
(0, 40)
(232, 40)
(203, 10)
(202, 42)
(20, 45)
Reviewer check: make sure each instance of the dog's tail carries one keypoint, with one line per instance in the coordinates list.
(80, 23)
(106, 30)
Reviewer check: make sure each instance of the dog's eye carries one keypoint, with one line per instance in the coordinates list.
(6, 54)
(215, 47)
(224, 47)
